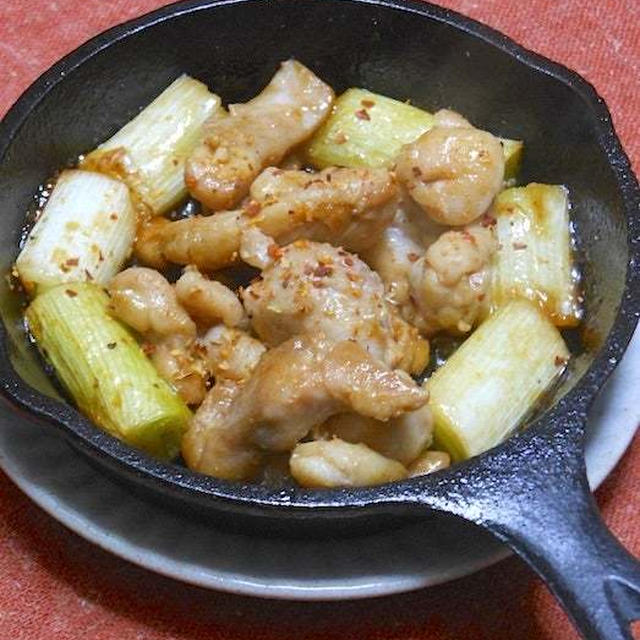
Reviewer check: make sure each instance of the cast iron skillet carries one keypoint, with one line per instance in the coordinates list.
(530, 492)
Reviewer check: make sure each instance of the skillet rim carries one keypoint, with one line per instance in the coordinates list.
(574, 405)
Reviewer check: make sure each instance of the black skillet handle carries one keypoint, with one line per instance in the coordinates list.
(533, 494)
(594, 577)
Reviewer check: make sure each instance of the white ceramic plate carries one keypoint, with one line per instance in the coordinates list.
(61, 482)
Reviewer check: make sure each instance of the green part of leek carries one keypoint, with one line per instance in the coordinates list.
(366, 130)
(513, 152)
(104, 369)
(494, 381)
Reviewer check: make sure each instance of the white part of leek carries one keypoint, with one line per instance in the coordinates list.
(495, 379)
(534, 259)
(85, 232)
(150, 151)
(104, 369)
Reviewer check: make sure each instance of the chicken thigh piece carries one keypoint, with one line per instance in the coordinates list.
(143, 299)
(209, 301)
(231, 353)
(403, 438)
(343, 206)
(448, 284)
(453, 172)
(317, 288)
(399, 246)
(336, 463)
(437, 282)
(294, 387)
(176, 360)
(211, 447)
(207, 242)
(350, 207)
(255, 135)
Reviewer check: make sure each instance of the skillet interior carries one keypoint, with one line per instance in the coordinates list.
(235, 48)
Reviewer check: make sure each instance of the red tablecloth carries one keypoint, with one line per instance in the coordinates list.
(56, 586)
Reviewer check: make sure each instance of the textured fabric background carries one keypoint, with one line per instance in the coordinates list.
(56, 586)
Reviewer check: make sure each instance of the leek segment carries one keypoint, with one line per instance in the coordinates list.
(149, 152)
(495, 379)
(85, 232)
(366, 129)
(105, 371)
(534, 259)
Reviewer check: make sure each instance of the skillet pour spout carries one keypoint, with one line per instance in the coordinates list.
(531, 492)
(536, 498)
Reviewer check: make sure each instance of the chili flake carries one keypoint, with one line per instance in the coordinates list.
(148, 348)
(252, 209)
(340, 137)
(488, 220)
(469, 237)
(275, 252)
(322, 270)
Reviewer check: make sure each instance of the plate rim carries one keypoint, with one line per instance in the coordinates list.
(189, 573)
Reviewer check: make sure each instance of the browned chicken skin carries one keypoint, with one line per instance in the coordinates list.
(403, 438)
(209, 302)
(293, 388)
(143, 299)
(255, 135)
(349, 207)
(313, 287)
